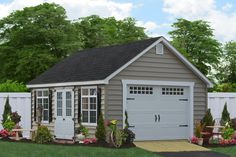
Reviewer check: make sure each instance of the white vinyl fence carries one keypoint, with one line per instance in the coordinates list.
(216, 102)
(19, 102)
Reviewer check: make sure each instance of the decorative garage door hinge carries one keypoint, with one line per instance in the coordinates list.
(130, 98)
(183, 99)
(183, 125)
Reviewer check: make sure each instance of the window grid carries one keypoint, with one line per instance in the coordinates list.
(59, 103)
(147, 90)
(43, 101)
(68, 104)
(172, 91)
(89, 104)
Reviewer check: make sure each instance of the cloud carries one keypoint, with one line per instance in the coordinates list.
(76, 8)
(222, 21)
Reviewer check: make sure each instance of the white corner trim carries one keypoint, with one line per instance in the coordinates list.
(177, 53)
(125, 83)
(67, 84)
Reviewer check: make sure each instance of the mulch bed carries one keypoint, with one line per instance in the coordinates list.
(192, 154)
(98, 144)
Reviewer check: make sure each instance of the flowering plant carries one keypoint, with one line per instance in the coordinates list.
(89, 140)
(4, 133)
(227, 142)
(194, 140)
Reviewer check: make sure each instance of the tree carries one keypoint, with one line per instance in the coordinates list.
(225, 116)
(34, 39)
(207, 120)
(195, 40)
(101, 130)
(227, 71)
(100, 32)
(7, 111)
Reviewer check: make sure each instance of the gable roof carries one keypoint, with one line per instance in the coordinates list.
(99, 65)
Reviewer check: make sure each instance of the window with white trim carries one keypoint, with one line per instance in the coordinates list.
(89, 104)
(43, 102)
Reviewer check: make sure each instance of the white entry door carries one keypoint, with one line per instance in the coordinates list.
(158, 112)
(64, 123)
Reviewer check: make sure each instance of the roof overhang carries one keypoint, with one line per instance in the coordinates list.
(67, 84)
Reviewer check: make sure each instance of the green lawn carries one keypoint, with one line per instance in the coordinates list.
(11, 149)
(227, 150)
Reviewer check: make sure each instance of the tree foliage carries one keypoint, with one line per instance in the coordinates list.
(12, 86)
(227, 71)
(196, 41)
(225, 116)
(33, 39)
(100, 32)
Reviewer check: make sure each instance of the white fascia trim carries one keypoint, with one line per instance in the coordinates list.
(68, 84)
(133, 59)
(178, 54)
(165, 83)
(190, 65)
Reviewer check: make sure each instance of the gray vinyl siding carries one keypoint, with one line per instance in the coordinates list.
(150, 66)
(76, 89)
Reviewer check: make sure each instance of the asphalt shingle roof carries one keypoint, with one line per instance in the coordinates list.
(92, 64)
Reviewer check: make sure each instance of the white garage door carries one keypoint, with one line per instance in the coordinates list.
(158, 112)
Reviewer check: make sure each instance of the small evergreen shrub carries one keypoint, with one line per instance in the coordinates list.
(101, 130)
(126, 120)
(7, 111)
(207, 120)
(13, 86)
(225, 116)
(43, 135)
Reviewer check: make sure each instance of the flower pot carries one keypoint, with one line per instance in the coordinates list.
(80, 137)
(200, 141)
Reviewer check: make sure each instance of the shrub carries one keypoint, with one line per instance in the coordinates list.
(43, 135)
(228, 132)
(83, 130)
(225, 116)
(126, 120)
(129, 136)
(89, 140)
(13, 86)
(15, 117)
(207, 120)
(101, 130)
(8, 124)
(7, 111)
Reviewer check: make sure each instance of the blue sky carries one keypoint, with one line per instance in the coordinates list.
(155, 15)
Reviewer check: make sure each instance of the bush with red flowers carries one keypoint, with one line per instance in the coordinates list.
(227, 142)
(194, 140)
(4, 133)
(89, 140)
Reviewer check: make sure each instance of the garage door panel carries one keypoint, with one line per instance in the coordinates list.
(160, 114)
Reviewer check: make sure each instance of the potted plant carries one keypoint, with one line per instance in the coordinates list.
(198, 130)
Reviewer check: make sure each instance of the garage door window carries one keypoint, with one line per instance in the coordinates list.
(141, 90)
(172, 91)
